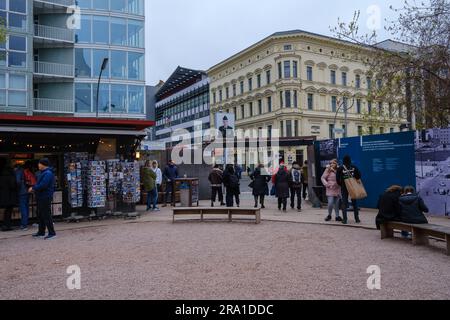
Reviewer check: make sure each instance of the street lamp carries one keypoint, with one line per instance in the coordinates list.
(346, 109)
(103, 67)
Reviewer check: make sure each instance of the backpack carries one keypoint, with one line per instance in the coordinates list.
(296, 176)
(29, 178)
(234, 181)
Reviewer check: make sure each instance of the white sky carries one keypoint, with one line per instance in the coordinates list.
(198, 34)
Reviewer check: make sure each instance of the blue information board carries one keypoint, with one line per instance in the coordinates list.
(384, 160)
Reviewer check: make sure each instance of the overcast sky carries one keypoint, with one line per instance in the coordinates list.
(198, 34)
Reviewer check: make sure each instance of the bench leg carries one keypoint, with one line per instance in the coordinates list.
(201, 215)
(230, 218)
(447, 239)
(419, 237)
(258, 217)
(173, 218)
(386, 232)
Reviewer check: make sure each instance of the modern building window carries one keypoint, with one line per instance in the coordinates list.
(258, 80)
(295, 69)
(100, 5)
(17, 56)
(84, 33)
(136, 66)
(103, 98)
(287, 69)
(287, 97)
(360, 131)
(83, 97)
(268, 77)
(309, 73)
(333, 77)
(100, 28)
(118, 64)
(269, 104)
(358, 106)
(260, 107)
(310, 101)
(119, 36)
(136, 98)
(344, 79)
(334, 103)
(118, 98)
(250, 84)
(83, 63)
(136, 7)
(358, 81)
(280, 71)
(234, 90)
(119, 5)
(136, 33)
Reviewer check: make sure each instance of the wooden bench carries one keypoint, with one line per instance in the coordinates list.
(420, 232)
(229, 212)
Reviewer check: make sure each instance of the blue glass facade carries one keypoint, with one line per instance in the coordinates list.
(115, 30)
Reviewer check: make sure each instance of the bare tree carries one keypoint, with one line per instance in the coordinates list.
(414, 72)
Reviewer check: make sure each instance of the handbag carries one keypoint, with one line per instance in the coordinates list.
(354, 187)
(273, 191)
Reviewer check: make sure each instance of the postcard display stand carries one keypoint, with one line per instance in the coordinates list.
(114, 186)
(131, 184)
(96, 184)
(75, 164)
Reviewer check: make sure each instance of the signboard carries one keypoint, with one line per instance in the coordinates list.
(225, 123)
(383, 160)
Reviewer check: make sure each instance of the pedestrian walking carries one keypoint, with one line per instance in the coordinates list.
(44, 189)
(295, 186)
(169, 175)
(281, 183)
(216, 179)
(388, 206)
(231, 182)
(157, 171)
(348, 170)
(305, 179)
(8, 193)
(333, 190)
(259, 185)
(148, 177)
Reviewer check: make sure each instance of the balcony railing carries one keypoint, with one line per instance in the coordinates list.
(53, 106)
(53, 69)
(53, 33)
(65, 3)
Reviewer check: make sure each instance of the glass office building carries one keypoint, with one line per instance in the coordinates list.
(52, 58)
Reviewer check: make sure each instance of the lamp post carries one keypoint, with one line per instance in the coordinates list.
(103, 67)
(346, 109)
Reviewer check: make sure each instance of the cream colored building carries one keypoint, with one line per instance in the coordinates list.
(296, 81)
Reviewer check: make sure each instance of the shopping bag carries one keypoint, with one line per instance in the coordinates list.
(355, 189)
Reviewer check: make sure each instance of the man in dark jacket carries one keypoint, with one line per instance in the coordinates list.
(344, 172)
(44, 189)
(281, 182)
(231, 182)
(8, 193)
(295, 185)
(412, 207)
(216, 179)
(260, 185)
(170, 174)
(389, 208)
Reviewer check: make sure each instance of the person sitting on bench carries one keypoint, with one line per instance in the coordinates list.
(389, 208)
(412, 208)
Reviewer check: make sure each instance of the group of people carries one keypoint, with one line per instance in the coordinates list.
(17, 184)
(152, 180)
(337, 194)
(293, 184)
(401, 204)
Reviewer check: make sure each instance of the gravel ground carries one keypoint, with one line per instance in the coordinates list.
(273, 260)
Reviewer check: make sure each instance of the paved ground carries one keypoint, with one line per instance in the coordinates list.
(151, 258)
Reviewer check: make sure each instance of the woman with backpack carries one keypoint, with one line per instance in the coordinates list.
(295, 185)
(281, 183)
(259, 185)
(231, 183)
